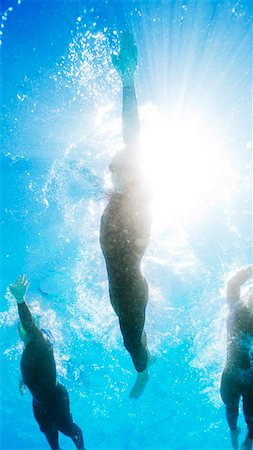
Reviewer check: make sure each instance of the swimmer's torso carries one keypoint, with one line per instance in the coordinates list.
(37, 363)
(240, 338)
(124, 236)
(38, 367)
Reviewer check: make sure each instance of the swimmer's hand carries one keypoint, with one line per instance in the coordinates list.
(125, 62)
(19, 288)
(22, 387)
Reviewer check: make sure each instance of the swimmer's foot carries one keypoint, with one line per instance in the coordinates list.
(151, 359)
(247, 444)
(234, 438)
(142, 379)
(140, 384)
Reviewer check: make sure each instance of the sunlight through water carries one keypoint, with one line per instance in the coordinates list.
(62, 126)
(184, 162)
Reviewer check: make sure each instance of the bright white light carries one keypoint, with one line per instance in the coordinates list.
(184, 163)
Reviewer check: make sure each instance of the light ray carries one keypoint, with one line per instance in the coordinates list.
(184, 162)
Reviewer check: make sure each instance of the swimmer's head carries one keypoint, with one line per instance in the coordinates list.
(123, 170)
(22, 333)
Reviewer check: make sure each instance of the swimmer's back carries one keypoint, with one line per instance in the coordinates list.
(240, 337)
(125, 227)
(37, 362)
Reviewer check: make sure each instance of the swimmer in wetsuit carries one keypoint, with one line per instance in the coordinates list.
(50, 398)
(125, 225)
(237, 377)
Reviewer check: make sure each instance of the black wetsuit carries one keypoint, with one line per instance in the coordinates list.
(124, 236)
(50, 398)
(237, 377)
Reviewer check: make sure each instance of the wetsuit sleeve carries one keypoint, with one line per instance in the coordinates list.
(27, 321)
(130, 116)
(235, 283)
(233, 293)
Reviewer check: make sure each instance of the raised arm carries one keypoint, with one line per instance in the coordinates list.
(125, 63)
(18, 290)
(235, 283)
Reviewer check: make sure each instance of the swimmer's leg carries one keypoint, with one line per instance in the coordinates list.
(248, 414)
(230, 395)
(247, 444)
(73, 431)
(135, 341)
(63, 417)
(77, 436)
(43, 418)
(151, 358)
(142, 377)
(51, 434)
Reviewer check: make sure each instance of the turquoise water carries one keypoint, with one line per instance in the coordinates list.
(61, 110)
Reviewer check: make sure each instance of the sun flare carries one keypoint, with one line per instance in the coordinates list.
(182, 159)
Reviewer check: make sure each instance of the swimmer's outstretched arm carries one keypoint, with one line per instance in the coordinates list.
(125, 63)
(18, 290)
(235, 283)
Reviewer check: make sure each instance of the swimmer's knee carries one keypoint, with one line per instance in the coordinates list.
(131, 345)
(67, 427)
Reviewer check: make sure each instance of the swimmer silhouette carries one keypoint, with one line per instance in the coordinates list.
(237, 377)
(125, 225)
(50, 398)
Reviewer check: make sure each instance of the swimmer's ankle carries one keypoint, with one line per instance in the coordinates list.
(140, 384)
(151, 359)
(234, 438)
(247, 444)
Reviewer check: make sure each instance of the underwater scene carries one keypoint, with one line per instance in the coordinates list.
(61, 126)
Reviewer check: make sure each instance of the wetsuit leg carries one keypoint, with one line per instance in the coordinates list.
(230, 391)
(247, 399)
(132, 325)
(63, 417)
(132, 320)
(44, 419)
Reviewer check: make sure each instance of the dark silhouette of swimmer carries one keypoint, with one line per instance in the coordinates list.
(50, 399)
(125, 225)
(237, 377)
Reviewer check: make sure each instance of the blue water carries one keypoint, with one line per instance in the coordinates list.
(61, 106)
